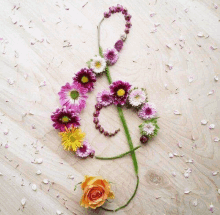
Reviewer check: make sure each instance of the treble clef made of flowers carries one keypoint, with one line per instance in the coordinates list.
(122, 94)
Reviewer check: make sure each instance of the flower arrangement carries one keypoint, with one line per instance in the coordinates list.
(72, 96)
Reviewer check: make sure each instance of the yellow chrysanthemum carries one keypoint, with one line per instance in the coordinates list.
(72, 138)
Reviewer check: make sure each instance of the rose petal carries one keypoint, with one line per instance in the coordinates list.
(23, 202)
(211, 208)
(170, 155)
(200, 34)
(195, 202)
(212, 126)
(215, 173)
(216, 77)
(39, 160)
(42, 84)
(38, 172)
(191, 79)
(170, 66)
(204, 122)
(45, 181)
(152, 14)
(10, 81)
(176, 112)
(216, 139)
(213, 48)
(211, 92)
(34, 187)
(179, 145)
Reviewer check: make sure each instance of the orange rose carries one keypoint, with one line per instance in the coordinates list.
(95, 191)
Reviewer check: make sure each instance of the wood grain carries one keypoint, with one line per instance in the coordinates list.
(143, 62)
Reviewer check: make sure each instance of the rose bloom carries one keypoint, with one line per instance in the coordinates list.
(95, 191)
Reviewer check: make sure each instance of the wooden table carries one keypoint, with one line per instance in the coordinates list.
(172, 51)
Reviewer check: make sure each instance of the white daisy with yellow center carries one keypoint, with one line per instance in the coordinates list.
(98, 64)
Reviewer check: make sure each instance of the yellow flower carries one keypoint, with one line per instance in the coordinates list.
(96, 190)
(72, 138)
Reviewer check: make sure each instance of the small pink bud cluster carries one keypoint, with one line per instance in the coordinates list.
(98, 107)
(117, 9)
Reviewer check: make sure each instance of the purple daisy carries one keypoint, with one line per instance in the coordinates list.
(111, 56)
(85, 151)
(65, 117)
(119, 45)
(73, 96)
(86, 78)
(119, 90)
(104, 98)
(148, 111)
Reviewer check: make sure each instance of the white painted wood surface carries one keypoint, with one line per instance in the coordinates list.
(143, 62)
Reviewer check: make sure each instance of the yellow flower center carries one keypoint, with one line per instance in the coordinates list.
(98, 64)
(137, 96)
(84, 79)
(72, 138)
(120, 92)
(65, 119)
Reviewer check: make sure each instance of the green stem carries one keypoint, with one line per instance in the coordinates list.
(118, 156)
(117, 209)
(121, 115)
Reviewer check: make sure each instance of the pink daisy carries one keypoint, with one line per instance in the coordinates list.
(85, 151)
(73, 96)
(119, 91)
(104, 98)
(111, 56)
(65, 117)
(86, 78)
(148, 111)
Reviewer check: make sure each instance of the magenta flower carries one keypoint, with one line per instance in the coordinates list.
(104, 98)
(119, 45)
(119, 8)
(107, 14)
(111, 56)
(73, 96)
(85, 151)
(148, 111)
(65, 117)
(119, 91)
(86, 78)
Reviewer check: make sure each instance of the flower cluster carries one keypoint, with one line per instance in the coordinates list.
(111, 54)
(66, 119)
(73, 95)
(148, 129)
(120, 9)
(121, 93)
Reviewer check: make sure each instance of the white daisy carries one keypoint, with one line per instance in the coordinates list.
(148, 128)
(137, 97)
(98, 64)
